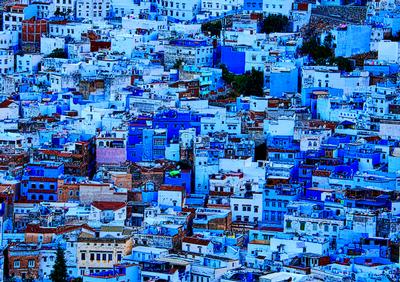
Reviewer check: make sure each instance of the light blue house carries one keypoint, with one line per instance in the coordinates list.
(349, 40)
(284, 78)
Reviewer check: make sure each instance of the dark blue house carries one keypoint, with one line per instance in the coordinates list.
(234, 59)
(183, 178)
(253, 5)
(175, 120)
(135, 137)
(40, 181)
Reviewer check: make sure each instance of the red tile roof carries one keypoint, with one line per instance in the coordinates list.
(324, 173)
(6, 103)
(42, 179)
(36, 228)
(109, 205)
(165, 187)
(196, 241)
(69, 228)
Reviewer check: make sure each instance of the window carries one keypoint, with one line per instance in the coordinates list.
(104, 257)
(255, 208)
(302, 225)
(83, 256)
(91, 256)
(17, 264)
(31, 263)
(110, 257)
(326, 227)
(315, 226)
(98, 257)
(119, 257)
(235, 207)
(288, 224)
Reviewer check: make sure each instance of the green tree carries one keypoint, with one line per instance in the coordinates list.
(328, 40)
(344, 64)
(57, 12)
(227, 76)
(58, 53)
(324, 54)
(320, 54)
(214, 28)
(275, 23)
(68, 13)
(178, 64)
(59, 272)
(249, 84)
(253, 83)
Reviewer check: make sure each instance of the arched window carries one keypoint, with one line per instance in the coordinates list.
(150, 186)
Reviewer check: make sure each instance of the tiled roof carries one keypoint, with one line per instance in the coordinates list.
(172, 188)
(196, 241)
(6, 103)
(109, 205)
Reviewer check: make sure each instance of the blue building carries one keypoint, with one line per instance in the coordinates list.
(40, 181)
(377, 67)
(184, 178)
(351, 40)
(135, 137)
(253, 5)
(175, 120)
(234, 59)
(154, 144)
(276, 200)
(309, 97)
(368, 158)
(284, 79)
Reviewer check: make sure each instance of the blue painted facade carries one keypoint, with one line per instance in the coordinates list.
(154, 144)
(307, 94)
(39, 182)
(352, 40)
(184, 178)
(135, 137)
(276, 200)
(382, 68)
(234, 60)
(175, 120)
(253, 5)
(284, 81)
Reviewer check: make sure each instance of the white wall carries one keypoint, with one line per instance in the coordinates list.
(388, 51)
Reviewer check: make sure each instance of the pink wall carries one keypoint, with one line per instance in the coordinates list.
(110, 155)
